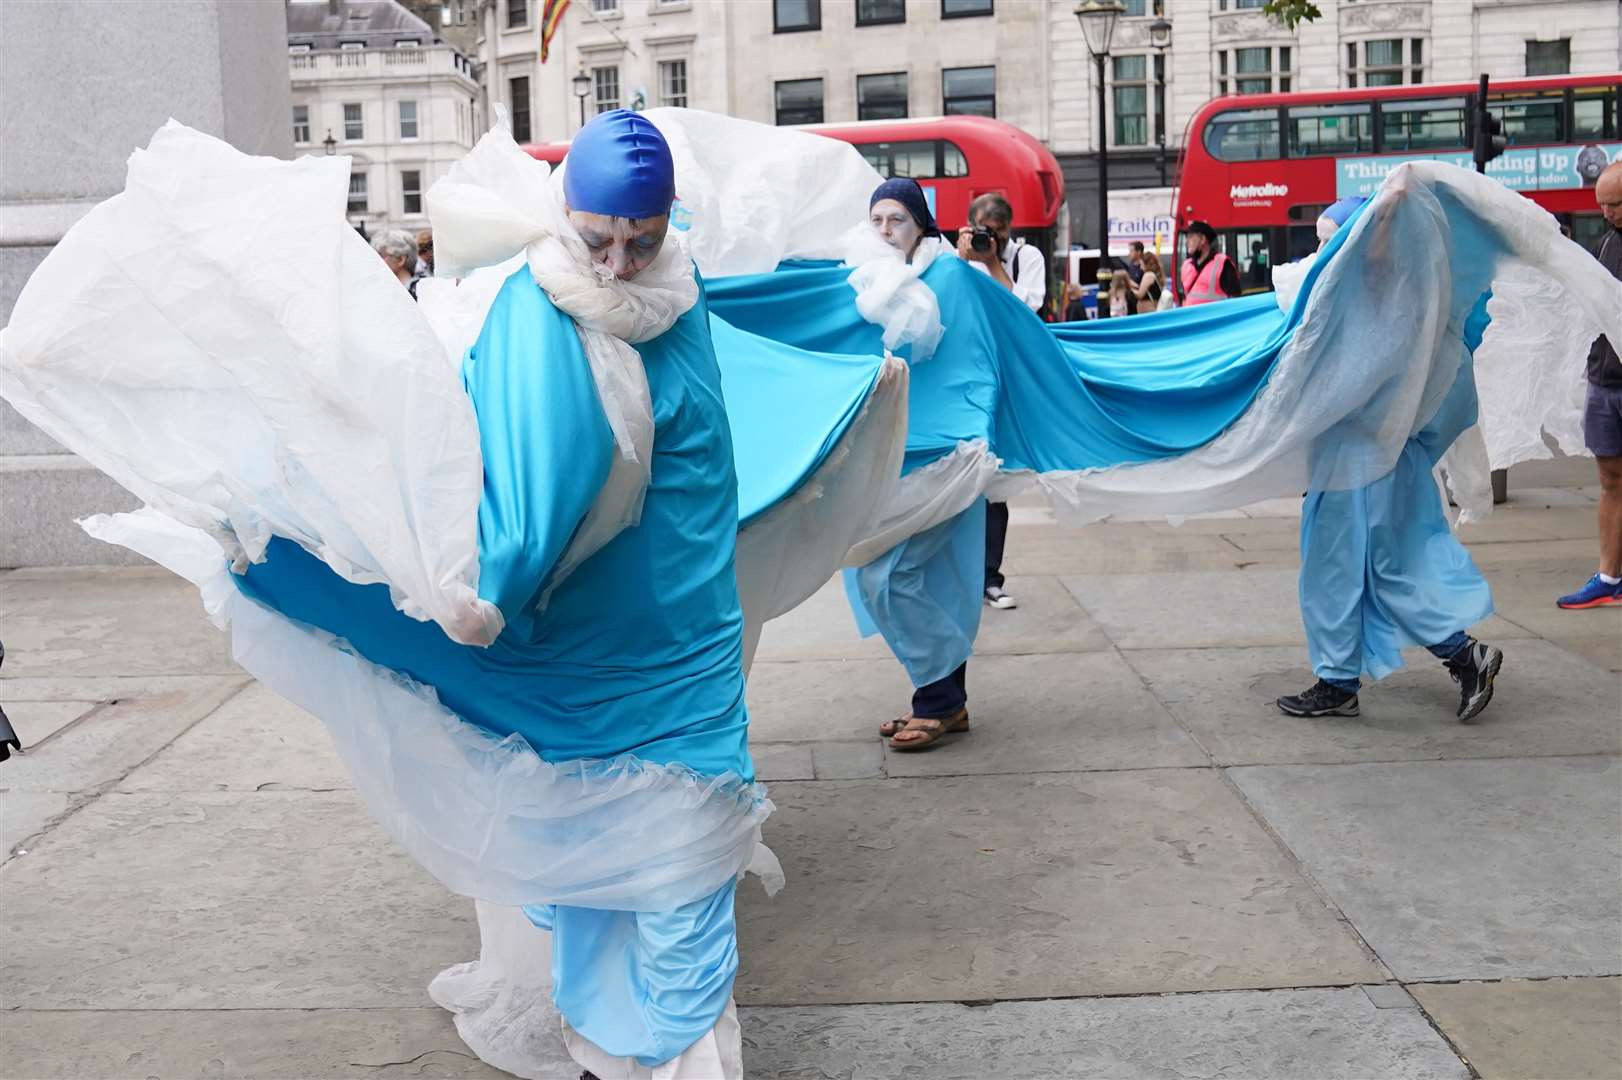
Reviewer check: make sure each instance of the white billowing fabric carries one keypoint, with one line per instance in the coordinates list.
(1288, 440)
(499, 202)
(889, 294)
(485, 814)
(790, 551)
(503, 1010)
(760, 194)
(927, 496)
(292, 389)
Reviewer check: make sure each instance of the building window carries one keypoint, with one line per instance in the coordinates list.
(354, 129)
(408, 119)
(1135, 8)
(799, 101)
(1131, 88)
(301, 124)
(518, 103)
(880, 12)
(357, 193)
(1548, 57)
(352, 46)
(963, 9)
(1255, 70)
(673, 83)
(517, 14)
(881, 97)
(299, 49)
(1386, 62)
(789, 16)
(605, 86)
(971, 91)
(411, 191)
(605, 7)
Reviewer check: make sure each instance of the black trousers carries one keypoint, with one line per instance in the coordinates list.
(996, 540)
(943, 697)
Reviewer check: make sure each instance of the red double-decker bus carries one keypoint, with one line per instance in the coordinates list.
(954, 159)
(1260, 168)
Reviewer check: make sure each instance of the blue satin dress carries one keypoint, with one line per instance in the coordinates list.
(638, 652)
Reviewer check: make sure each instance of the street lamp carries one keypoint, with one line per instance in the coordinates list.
(1097, 18)
(582, 86)
(330, 143)
(1160, 39)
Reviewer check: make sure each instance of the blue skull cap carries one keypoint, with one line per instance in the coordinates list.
(1342, 209)
(620, 165)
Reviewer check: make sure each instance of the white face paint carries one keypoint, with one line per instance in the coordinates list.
(627, 246)
(895, 226)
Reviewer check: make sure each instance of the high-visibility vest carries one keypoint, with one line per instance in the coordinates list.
(1204, 285)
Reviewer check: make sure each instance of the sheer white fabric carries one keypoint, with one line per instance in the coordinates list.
(889, 294)
(290, 389)
(752, 195)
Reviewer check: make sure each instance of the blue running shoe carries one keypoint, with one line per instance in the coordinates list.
(1595, 593)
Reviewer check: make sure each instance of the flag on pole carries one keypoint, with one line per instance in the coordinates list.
(551, 18)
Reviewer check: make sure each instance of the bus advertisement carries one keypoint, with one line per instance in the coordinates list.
(1261, 168)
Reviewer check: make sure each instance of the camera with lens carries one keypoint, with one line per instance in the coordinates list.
(982, 238)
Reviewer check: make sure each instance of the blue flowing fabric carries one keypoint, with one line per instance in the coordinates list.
(1381, 569)
(638, 652)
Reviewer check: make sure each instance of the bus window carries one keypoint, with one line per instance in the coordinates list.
(1251, 256)
(921, 160)
(1593, 113)
(1243, 135)
(1432, 124)
(1315, 130)
(1531, 119)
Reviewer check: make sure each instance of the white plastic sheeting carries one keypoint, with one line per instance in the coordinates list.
(889, 294)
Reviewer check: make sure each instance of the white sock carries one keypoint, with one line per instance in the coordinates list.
(1608, 579)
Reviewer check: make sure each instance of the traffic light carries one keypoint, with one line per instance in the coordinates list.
(1489, 131)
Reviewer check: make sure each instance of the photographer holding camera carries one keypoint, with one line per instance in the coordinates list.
(1021, 269)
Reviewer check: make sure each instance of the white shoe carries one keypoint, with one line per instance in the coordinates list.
(999, 599)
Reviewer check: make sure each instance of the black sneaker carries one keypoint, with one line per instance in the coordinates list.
(1321, 700)
(1474, 667)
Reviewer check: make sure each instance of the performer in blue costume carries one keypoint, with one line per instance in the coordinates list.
(1381, 568)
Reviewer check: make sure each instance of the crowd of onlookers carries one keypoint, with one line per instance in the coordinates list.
(409, 258)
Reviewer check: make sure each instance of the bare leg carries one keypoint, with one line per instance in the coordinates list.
(1610, 516)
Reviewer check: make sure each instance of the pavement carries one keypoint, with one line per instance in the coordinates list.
(1133, 866)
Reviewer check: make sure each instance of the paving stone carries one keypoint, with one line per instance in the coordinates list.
(1461, 869)
(1030, 714)
(848, 760)
(1048, 620)
(1491, 557)
(1525, 594)
(1260, 1035)
(781, 761)
(1259, 606)
(825, 700)
(96, 688)
(24, 813)
(1548, 497)
(822, 628)
(1516, 1030)
(262, 1044)
(1113, 548)
(1275, 508)
(116, 737)
(1603, 650)
(257, 741)
(1390, 996)
(1545, 704)
(108, 621)
(36, 721)
(291, 900)
(1048, 886)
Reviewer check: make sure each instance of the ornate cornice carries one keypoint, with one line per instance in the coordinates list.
(1373, 16)
(1249, 27)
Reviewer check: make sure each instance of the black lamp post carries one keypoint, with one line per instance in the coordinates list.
(1160, 39)
(582, 86)
(1097, 18)
(330, 143)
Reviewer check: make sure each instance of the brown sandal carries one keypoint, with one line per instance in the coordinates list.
(931, 729)
(890, 727)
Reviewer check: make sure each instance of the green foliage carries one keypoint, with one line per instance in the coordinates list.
(1292, 12)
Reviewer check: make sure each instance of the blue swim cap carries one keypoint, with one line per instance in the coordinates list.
(620, 165)
(1342, 209)
(906, 192)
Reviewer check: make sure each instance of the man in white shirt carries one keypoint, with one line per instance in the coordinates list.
(1020, 268)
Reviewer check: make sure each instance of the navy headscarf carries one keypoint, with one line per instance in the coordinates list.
(621, 166)
(908, 194)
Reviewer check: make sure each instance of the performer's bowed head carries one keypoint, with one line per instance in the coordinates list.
(619, 183)
(899, 213)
